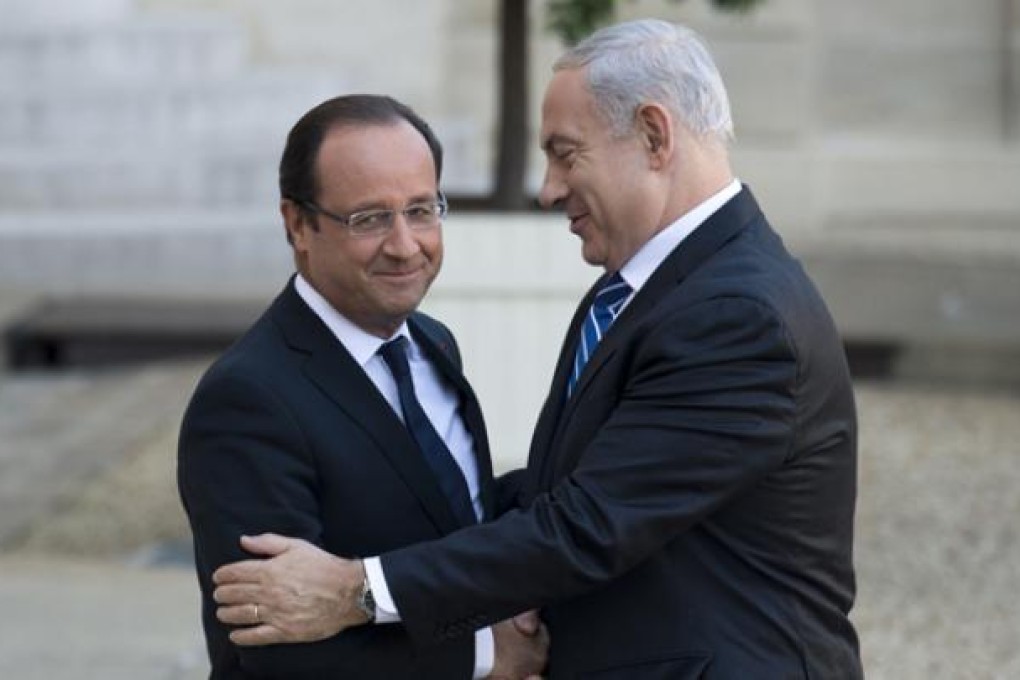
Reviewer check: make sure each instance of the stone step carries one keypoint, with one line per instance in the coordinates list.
(232, 164)
(141, 178)
(144, 252)
(165, 110)
(114, 330)
(22, 14)
(127, 111)
(136, 47)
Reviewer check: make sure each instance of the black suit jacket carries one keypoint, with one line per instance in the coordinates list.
(689, 511)
(286, 433)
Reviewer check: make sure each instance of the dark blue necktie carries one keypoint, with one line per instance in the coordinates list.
(438, 456)
(603, 312)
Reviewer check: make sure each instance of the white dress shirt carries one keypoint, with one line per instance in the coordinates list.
(642, 264)
(441, 404)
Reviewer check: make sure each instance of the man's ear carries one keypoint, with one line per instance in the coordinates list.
(295, 221)
(655, 128)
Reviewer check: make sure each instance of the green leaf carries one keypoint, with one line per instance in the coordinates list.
(573, 20)
(736, 5)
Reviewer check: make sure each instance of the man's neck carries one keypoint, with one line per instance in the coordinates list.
(703, 170)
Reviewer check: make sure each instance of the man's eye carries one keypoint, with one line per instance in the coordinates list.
(419, 211)
(372, 220)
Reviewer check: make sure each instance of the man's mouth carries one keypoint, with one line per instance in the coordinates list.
(575, 221)
(399, 274)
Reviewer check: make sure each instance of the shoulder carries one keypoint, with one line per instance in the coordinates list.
(255, 369)
(436, 332)
(434, 328)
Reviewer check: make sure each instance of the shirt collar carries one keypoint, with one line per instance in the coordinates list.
(639, 268)
(361, 344)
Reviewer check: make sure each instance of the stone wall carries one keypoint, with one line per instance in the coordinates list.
(138, 146)
(844, 110)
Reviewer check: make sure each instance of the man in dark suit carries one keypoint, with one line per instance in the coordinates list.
(689, 501)
(298, 426)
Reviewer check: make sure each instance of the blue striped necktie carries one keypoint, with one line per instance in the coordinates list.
(603, 312)
(433, 448)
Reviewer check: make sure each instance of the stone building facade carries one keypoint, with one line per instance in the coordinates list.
(139, 141)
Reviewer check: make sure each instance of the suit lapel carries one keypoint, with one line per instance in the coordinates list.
(732, 218)
(442, 355)
(335, 372)
(552, 412)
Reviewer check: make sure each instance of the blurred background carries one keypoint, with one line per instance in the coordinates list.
(139, 233)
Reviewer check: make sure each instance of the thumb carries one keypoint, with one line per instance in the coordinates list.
(268, 545)
(527, 623)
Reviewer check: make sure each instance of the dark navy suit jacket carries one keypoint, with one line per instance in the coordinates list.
(688, 512)
(286, 433)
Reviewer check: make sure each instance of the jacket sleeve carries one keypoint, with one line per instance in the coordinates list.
(705, 408)
(509, 487)
(245, 468)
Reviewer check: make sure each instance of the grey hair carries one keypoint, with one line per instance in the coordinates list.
(650, 60)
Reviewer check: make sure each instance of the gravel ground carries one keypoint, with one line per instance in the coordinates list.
(938, 550)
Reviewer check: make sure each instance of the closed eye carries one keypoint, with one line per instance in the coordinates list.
(559, 148)
(562, 154)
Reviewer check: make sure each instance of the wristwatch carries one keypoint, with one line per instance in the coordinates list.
(366, 601)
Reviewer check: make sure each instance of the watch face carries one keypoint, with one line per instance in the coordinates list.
(366, 601)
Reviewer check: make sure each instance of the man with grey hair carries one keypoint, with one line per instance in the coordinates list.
(687, 509)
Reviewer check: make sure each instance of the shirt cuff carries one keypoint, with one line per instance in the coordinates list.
(385, 607)
(386, 612)
(485, 653)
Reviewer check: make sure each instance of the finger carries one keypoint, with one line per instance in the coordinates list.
(239, 615)
(267, 545)
(527, 623)
(543, 636)
(238, 593)
(248, 571)
(257, 635)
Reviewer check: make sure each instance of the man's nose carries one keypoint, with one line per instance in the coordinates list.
(401, 241)
(554, 190)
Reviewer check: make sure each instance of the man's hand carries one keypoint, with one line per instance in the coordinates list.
(522, 648)
(300, 594)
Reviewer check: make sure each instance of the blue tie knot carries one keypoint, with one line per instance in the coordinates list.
(612, 295)
(606, 306)
(394, 353)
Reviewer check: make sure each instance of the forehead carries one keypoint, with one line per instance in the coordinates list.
(568, 109)
(383, 155)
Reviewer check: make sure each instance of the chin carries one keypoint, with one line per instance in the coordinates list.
(402, 307)
(594, 259)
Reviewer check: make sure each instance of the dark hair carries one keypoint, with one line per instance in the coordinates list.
(298, 180)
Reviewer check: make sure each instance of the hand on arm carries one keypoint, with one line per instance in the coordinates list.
(522, 648)
(303, 593)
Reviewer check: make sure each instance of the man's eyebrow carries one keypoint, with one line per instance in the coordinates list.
(372, 205)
